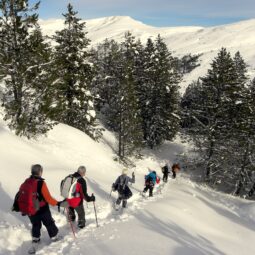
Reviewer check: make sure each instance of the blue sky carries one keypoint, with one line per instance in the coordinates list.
(157, 12)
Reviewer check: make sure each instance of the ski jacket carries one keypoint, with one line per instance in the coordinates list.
(151, 176)
(165, 170)
(44, 195)
(123, 181)
(81, 190)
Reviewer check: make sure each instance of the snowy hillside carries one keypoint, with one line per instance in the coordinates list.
(182, 218)
(181, 40)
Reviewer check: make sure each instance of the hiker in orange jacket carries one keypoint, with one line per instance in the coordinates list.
(38, 214)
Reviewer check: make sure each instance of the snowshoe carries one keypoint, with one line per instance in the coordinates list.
(56, 238)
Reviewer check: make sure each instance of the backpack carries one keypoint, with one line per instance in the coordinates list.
(149, 181)
(120, 187)
(27, 199)
(123, 189)
(68, 187)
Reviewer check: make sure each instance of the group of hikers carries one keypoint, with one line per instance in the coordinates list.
(33, 198)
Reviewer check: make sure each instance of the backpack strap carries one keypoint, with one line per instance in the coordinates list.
(77, 192)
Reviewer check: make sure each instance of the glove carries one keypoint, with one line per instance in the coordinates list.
(62, 203)
(92, 198)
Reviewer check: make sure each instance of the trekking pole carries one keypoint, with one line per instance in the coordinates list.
(95, 213)
(69, 219)
(110, 193)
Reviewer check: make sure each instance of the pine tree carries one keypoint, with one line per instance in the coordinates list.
(241, 68)
(107, 59)
(130, 131)
(163, 96)
(24, 60)
(115, 84)
(219, 109)
(188, 63)
(74, 100)
(189, 104)
(244, 136)
(145, 84)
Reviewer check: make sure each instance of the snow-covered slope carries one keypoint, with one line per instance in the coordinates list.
(181, 40)
(182, 218)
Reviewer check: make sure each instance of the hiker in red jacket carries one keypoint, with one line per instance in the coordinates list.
(76, 201)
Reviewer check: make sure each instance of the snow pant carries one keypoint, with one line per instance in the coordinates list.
(165, 177)
(150, 188)
(81, 215)
(174, 174)
(43, 216)
(124, 195)
(123, 199)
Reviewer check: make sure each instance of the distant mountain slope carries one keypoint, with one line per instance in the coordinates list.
(180, 40)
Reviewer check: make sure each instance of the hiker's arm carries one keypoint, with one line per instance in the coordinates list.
(47, 196)
(84, 189)
(132, 180)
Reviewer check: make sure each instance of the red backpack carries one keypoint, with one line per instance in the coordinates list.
(28, 197)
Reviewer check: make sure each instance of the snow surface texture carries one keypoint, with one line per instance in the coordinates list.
(180, 40)
(182, 218)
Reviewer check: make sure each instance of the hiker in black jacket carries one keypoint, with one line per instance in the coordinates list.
(165, 171)
(121, 185)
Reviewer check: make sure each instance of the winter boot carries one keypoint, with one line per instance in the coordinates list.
(117, 204)
(81, 224)
(124, 204)
(35, 244)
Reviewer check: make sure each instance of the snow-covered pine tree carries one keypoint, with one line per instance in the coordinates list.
(244, 137)
(145, 85)
(188, 63)
(130, 130)
(189, 104)
(72, 90)
(107, 59)
(163, 96)
(215, 114)
(115, 83)
(24, 61)
(241, 69)
(252, 139)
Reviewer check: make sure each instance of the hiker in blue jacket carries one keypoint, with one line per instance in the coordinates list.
(150, 181)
